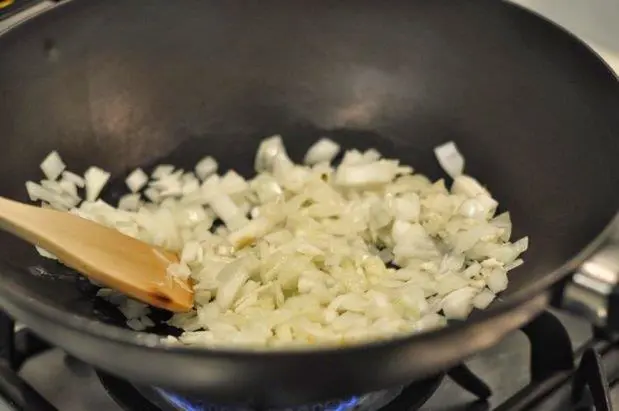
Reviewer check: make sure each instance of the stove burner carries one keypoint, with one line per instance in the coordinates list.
(367, 402)
(132, 398)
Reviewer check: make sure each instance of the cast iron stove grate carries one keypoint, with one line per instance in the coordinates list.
(551, 369)
(131, 398)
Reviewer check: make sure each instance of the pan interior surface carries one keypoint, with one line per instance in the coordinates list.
(120, 85)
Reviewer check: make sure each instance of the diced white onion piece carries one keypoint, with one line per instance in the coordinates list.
(497, 280)
(472, 208)
(230, 288)
(52, 186)
(55, 199)
(266, 188)
(73, 178)
(227, 211)
(152, 194)
(359, 176)
(162, 171)
(401, 230)
(466, 239)
(515, 264)
(179, 270)
(430, 322)
(232, 183)
(52, 166)
(136, 180)
(459, 303)
(322, 151)
(472, 270)
(96, 179)
(190, 187)
(270, 150)
(192, 253)
(69, 187)
(169, 185)
(251, 231)
(467, 186)
(35, 191)
(206, 167)
(488, 204)
(136, 325)
(482, 300)
(450, 282)
(371, 155)
(129, 202)
(521, 245)
(132, 308)
(503, 222)
(407, 208)
(450, 159)
(44, 253)
(313, 265)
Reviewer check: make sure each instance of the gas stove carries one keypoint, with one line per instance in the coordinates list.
(557, 362)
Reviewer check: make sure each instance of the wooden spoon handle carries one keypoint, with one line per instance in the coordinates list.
(101, 253)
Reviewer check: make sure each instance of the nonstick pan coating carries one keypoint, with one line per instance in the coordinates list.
(122, 84)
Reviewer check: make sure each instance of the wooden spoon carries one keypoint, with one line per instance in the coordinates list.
(103, 254)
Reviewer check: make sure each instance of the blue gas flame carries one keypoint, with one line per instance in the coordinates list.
(180, 402)
(344, 405)
(186, 405)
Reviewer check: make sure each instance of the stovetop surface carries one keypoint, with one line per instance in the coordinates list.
(71, 385)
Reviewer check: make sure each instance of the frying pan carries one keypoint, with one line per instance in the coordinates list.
(121, 84)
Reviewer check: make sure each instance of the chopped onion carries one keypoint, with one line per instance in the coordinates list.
(162, 171)
(179, 270)
(96, 179)
(450, 159)
(459, 303)
(468, 186)
(35, 191)
(472, 208)
(483, 299)
(251, 231)
(136, 180)
(232, 183)
(231, 285)
(323, 151)
(359, 176)
(301, 255)
(503, 222)
(192, 253)
(407, 208)
(228, 211)
(53, 166)
(69, 187)
(497, 280)
(152, 194)
(44, 253)
(206, 167)
(269, 152)
(266, 188)
(52, 196)
(73, 178)
(521, 245)
(136, 325)
(515, 264)
(130, 202)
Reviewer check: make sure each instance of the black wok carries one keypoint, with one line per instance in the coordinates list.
(121, 84)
